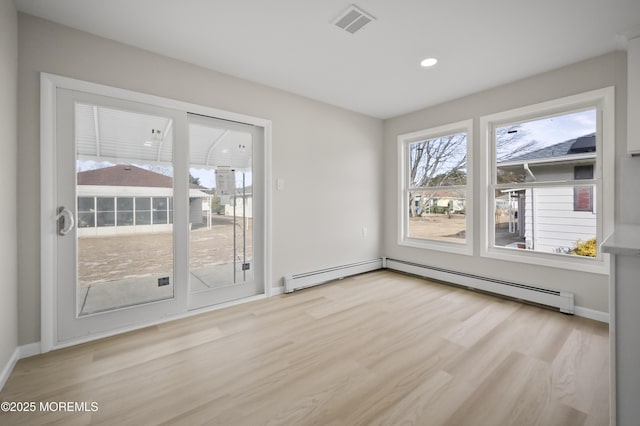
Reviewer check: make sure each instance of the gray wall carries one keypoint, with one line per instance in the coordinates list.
(8, 176)
(334, 161)
(591, 290)
(330, 158)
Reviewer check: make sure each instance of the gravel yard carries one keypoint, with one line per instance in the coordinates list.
(439, 227)
(112, 258)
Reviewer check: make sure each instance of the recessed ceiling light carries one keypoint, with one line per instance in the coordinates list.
(429, 62)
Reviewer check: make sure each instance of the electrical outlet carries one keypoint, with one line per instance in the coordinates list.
(364, 231)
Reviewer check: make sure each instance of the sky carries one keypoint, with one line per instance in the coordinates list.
(553, 130)
(208, 177)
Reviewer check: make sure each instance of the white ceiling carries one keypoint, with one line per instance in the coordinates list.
(292, 45)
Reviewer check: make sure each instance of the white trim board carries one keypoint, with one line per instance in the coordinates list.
(122, 330)
(24, 351)
(29, 350)
(276, 291)
(8, 368)
(592, 314)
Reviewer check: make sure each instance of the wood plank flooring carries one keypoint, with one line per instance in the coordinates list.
(376, 349)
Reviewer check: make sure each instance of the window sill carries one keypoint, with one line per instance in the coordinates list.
(575, 263)
(435, 245)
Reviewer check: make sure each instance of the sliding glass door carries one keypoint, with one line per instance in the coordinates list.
(225, 210)
(116, 191)
(158, 212)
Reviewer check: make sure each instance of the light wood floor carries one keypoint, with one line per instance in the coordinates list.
(380, 348)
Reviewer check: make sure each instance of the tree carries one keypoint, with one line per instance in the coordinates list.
(442, 162)
(194, 180)
(434, 163)
(512, 141)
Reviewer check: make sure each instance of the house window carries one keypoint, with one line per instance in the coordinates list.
(125, 211)
(583, 195)
(435, 204)
(143, 210)
(86, 212)
(106, 215)
(160, 210)
(544, 168)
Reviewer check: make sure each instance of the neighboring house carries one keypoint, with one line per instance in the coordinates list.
(126, 199)
(552, 219)
(243, 200)
(439, 201)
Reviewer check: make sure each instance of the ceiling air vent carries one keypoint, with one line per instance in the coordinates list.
(353, 19)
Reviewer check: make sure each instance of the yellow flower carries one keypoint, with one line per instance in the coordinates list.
(588, 248)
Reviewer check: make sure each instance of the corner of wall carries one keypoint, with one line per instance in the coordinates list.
(8, 190)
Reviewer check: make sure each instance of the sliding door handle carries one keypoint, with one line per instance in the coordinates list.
(65, 221)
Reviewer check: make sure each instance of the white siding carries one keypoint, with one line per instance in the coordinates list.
(195, 211)
(551, 222)
(228, 208)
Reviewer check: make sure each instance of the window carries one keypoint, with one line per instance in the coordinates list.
(86, 212)
(143, 211)
(583, 195)
(159, 210)
(435, 194)
(106, 211)
(125, 211)
(544, 169)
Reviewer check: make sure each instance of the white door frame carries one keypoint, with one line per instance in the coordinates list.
(241, 289)
(49, 83)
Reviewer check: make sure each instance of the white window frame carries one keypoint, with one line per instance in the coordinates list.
(603, 100)
(465, 126)
(49, 83)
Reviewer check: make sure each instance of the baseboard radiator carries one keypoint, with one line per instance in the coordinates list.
(309, 279)
(558, 299)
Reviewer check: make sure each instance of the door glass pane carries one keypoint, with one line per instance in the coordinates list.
(220, 207)
(125, 241)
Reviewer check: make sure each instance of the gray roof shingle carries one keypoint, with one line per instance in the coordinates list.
(581, 145)
(127, 175)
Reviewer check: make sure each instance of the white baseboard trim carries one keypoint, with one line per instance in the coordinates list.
(8, 368)
(592, 314)
(24, 351)
(275, 291)
(30, 349)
